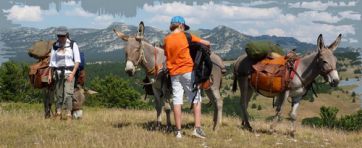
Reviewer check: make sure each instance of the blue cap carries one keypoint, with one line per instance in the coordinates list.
(179, 20)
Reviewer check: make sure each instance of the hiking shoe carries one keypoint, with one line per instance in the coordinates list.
(198, 132)
(178, 134)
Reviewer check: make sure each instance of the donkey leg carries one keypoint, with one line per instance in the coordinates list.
(158, 106)
(219, 108)
(215, 98)
(167, 108)
(279, 103)
(293, 114)
(245, 95)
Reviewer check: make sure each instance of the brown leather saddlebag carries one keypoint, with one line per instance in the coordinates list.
(269, 76)
(38, 74)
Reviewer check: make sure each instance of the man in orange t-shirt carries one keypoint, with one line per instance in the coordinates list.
(180, 65)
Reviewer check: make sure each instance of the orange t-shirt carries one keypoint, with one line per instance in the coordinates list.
(177, 53)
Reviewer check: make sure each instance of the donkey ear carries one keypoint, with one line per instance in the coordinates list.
(121, 35)
(320, 42)
(141, 30)
(335, 44)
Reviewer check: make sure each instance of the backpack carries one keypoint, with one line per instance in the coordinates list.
(202, 61)
(79, 76)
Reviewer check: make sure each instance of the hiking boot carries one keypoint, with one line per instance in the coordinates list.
(198, 132)
(78, 114)
(178, 134)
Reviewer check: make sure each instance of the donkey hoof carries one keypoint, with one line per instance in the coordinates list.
(292, 116)
(272, 131)
(248, 127)
(158, 126)
(292, 133)
(168, 129)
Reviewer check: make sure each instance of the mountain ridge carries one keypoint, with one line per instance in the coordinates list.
(227, 42)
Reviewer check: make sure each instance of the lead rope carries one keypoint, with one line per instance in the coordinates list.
(156, 66)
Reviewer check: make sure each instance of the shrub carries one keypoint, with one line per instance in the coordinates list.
(351, 122)
(253, 106)
(259, 107)
(357, 71)
(328, 119)
(226, 87)
(114, 91)
(15, 86)
(328, 116)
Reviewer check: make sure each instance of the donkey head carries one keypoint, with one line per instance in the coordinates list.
(133, 49)
(327, 61)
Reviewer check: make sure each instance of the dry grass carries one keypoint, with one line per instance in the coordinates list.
(22, 125)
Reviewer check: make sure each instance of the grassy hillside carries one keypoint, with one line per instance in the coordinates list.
(22, 125)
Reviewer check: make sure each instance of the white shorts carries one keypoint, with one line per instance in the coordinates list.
(183, 83)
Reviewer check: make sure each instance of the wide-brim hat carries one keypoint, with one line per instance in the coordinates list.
(62, 31)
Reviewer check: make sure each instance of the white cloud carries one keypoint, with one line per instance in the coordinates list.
(70, 3)
(50, 12)
(320, 6)
(276, 31)
(103, 21)
(78, 11)
(258, 3)
(318, 16)
(24, 13)
(304, 26)
(350, 15)
(252, 31)
(210, 10)
(352, 40)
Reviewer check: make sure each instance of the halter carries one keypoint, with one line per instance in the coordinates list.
(324, 72)
(142, 60)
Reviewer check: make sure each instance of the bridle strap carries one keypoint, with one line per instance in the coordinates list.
(142, 58)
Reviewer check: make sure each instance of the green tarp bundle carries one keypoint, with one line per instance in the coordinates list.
(258, 50)
(40, 49)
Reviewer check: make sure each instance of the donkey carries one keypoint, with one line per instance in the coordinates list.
(151, 58)
(322, 62)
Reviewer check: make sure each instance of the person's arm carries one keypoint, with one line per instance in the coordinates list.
(202, 41)
(205, 42)
(76, 55)
(51, 65)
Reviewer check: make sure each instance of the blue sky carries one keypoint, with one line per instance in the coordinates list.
(304, 20)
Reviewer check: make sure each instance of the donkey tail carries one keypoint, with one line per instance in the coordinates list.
(235, 82)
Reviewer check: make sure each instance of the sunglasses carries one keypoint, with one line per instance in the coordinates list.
(60, 36)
